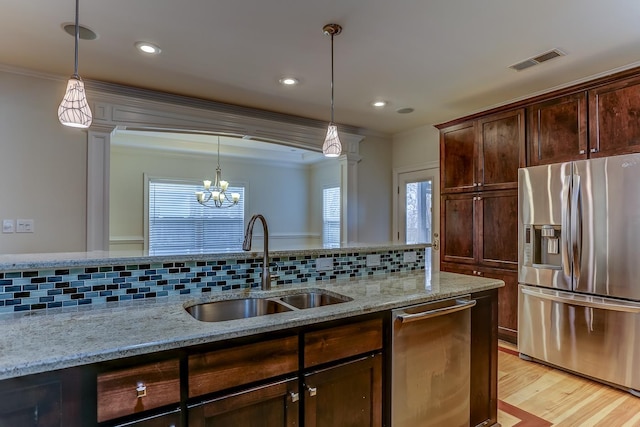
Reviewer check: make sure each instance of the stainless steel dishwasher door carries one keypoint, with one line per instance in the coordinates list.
(430, 364)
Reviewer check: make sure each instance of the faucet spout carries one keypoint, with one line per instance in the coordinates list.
(246, 246)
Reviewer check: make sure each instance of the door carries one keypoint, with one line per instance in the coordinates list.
(609, 219)
(347, 395)
(558, 130)
(418, 207)
(544, 228)
(271, 405)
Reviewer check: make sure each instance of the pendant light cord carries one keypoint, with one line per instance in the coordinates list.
(77, 37)
(331, 77)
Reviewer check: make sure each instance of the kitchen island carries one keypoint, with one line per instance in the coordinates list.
(83, 350)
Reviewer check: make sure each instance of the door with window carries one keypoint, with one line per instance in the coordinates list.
(418, 207)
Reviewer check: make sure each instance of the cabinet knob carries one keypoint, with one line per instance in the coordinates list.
(594, 150)
(294, 396)
(312, 391)
(581, 151)
(141, 390)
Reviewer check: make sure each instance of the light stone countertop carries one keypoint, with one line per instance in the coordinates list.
(46, 342)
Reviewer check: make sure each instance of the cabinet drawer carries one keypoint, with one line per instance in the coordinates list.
(339, 342)
(221, 369)
(132, 390)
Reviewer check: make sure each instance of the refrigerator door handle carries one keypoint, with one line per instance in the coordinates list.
(576, 228)
(582, 300)
(566, 234)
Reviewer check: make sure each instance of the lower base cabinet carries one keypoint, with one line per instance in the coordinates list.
(349, 394)
(172, 419)
(271, 405)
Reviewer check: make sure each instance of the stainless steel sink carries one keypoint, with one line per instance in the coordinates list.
(232, 309)
(313, 299)
(219, 311)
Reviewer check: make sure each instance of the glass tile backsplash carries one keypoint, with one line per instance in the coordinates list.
(32, 290)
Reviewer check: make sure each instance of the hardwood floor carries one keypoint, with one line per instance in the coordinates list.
(534, 395)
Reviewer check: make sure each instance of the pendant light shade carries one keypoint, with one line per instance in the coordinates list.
(332, 146)
(74, 109)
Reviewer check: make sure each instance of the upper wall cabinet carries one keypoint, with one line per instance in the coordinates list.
(457, 157)
(483, 154)
(557, 130)
(614, 118)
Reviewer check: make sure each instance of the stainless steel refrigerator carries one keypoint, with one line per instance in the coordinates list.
(579, 267)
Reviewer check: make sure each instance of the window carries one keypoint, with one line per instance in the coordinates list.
(179, 224)
(331, 217)
(419, 211)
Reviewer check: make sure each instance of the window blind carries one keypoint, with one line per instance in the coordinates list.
(179, 224)
(331, 217)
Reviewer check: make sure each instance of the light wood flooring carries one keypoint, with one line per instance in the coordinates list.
(534, 395)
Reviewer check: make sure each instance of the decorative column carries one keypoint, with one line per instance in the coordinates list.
(349, 192)
(98, 156)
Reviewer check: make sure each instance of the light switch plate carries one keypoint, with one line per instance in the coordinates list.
(409, 257)
(24, 225)
(324, 264)
(373, 260)
(8, 226)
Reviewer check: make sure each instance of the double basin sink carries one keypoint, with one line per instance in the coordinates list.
(243, 308)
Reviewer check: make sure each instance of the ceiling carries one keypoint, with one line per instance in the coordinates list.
(443, 58)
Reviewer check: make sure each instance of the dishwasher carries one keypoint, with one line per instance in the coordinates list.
(431, 356)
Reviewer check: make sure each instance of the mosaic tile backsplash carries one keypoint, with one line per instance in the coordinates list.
(34, 290)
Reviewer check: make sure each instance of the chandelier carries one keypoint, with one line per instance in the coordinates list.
(74, 110)
(216, 196)
(332, 146)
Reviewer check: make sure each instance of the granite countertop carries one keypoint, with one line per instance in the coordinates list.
(46, 342)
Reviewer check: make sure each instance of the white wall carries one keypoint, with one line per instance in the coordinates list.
(416, 147)
(281, 192)
(375, 190)
(42, 167)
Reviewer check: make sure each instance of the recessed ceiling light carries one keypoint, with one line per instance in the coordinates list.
(289, 81)
(148, 48)
(404, 110)
(379, 104)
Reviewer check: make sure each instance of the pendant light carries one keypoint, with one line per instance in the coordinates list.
(217, 194)
(74, 110)
(332, 146)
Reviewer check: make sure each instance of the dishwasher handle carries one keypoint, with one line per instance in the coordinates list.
(461, 304)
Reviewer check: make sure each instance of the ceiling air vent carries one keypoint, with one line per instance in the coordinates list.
(537, 59)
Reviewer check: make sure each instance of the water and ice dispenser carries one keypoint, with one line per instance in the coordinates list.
(542, 246)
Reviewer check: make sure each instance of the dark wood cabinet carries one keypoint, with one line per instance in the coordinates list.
(483, 154)
(614, 118)
(497, 229)
(170, 419)
(480, 229)
(484, 360)
(44, 400)
(457, 158)
(349, 394)
(500, 150)
(557, 130)
(271, 405)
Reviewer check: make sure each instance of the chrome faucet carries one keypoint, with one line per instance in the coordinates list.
(246, 246)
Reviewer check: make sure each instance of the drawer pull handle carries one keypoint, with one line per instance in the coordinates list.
(312, 391)
(294, 397)
(141, 390)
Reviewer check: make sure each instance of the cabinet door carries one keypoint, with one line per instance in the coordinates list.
(457, 228)
(27, 404)
(557, 130)
(457, 158)
(498, 229)
(507, 303)
(484, 360)
(500, 150)
(614, 118)
(347, 395)
(272, 405)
